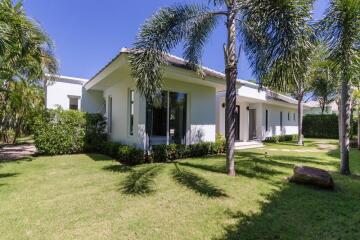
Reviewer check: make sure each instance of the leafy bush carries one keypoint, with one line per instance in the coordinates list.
(67, 131)
(321, 126)
(130, 155)
(281, 138)
(164, 153)
(123, 153)
(111, 149)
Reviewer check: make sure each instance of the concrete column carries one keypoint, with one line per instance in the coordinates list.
(259, 121)
(244, 122)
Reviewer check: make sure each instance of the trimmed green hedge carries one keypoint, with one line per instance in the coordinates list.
(123, 153)
(68, 131)
(321, 126)
(281, 138)
(164, 153)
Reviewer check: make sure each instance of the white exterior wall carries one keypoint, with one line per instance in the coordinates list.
(58, 92)
(58, 95)
(289, 126)
(201, 121)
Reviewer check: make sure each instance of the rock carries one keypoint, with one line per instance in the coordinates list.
(312, 176)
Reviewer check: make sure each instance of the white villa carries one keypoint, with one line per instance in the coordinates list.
(191, 108)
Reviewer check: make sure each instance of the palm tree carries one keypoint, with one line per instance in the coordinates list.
(26, 55)
(193, 24)
(340, 29)
(282, 47)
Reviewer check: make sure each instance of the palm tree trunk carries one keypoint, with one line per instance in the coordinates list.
(231, 77)
(345, 127)
(300, 119)
(339, 121)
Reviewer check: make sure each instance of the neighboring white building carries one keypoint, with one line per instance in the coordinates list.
(190, 109)
(313, 107)
(69, 93)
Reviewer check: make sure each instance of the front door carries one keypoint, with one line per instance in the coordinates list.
(252, 124)
(237, 123)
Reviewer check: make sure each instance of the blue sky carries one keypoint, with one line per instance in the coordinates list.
(89, 33)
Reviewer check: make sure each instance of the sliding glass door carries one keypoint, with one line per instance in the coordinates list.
(166, 119)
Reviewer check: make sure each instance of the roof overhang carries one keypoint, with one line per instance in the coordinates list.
(173, 71)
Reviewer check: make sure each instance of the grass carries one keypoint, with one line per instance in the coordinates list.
(94, 197)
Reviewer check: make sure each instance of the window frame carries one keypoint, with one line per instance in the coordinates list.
(78, 102)
(266, 120)
(109, 113)
(131, 112)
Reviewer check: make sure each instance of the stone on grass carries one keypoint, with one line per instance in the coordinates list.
(312, 176)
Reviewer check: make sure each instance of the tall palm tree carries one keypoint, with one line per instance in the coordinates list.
(192, 24)
(26, 54)
(282, 47)
(341, 30)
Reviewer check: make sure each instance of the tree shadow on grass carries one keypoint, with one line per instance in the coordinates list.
(6, 175)
(118, 168)
(141, 182)
(196, 183)
(246, 168)
(302, 212)
(99, 157)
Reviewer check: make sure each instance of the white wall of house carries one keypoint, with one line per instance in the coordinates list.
(274, 128)
(201, 121)
(62, 88)
(59, 91)
(289, 125)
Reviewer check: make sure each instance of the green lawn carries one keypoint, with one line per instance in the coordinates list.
(93, 197)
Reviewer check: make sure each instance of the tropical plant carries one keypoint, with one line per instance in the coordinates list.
(26, 57)
(340, 29)
(192, 24)
(356, 97)
(324, 84)
(281, 46)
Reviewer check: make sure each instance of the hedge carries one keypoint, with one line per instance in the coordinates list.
(321, 126)
(68, 131)
(281, 138)
(160, 153)
(165, 153)
(123, 153)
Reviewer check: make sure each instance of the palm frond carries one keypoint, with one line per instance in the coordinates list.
(278, 39)
(340, 29)
(159, 35)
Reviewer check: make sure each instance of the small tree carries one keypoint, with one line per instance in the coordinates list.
(282, 46)
(341, 31)
(324, 83)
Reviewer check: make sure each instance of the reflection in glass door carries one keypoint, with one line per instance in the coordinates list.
(166, 119)
(177, 117)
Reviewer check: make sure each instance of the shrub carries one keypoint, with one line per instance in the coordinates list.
(281, 138)
(110, 148)
(68, 131)
(164, 153)
(321, 126)
(130, 155)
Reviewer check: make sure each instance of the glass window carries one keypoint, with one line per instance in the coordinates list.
(74, 103)
(267, 120)
(166, 118)
(109, 114)
(131, 111)
(156, 117)
(177, 117)
(281, 120)
(294, 117)
(288, 116)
